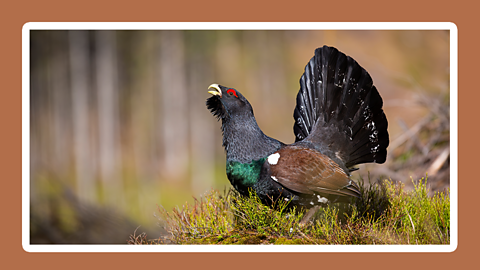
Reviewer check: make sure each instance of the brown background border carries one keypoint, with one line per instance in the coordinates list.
(14, 15)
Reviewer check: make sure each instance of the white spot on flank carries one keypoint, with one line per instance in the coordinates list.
(273, 159)
(322, 199)
(311, 203)
(287, 199)
(274, 178)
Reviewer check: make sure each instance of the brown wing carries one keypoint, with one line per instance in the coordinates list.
(308, 171)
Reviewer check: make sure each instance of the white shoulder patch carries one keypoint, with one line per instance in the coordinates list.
(274, 178)
(273, 159)
(322, 199)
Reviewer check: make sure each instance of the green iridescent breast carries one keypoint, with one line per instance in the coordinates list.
(244, 174)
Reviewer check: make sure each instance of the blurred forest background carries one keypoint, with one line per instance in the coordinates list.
(118, 123)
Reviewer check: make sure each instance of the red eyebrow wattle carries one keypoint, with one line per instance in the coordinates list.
(233, 91)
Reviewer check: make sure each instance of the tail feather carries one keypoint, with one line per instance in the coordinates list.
(340, 110)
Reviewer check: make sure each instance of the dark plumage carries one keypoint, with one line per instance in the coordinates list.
(339, 123)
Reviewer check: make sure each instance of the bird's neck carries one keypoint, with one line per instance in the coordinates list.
(245, 142)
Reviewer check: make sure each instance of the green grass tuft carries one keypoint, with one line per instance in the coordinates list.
(250, 214)
(385, 214)
(208, 217)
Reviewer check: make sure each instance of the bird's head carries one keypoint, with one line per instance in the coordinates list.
(227, 102)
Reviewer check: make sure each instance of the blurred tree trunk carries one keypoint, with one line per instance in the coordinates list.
(60, 105)
(228, 58)
(173, 99)
(38, 95)
(143, 113)
(202, 130)
(80, 82)
(268, 74)
(108, 114)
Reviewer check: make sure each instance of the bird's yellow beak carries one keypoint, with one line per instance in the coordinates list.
(217, 92)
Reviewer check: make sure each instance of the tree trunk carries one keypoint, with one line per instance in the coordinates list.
(173, 100)
(80, 82)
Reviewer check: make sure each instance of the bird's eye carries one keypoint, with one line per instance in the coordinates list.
(232, 92)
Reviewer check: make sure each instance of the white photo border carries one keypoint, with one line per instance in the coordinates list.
(27, 246)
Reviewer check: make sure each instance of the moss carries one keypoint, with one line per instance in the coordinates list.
(211, 240)
(286, 241)
(251, 239)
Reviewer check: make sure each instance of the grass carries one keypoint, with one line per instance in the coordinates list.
(385, 214)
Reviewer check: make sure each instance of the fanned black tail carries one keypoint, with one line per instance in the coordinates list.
(339, 110)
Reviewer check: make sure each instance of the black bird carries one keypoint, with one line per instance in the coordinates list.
(339, 122)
